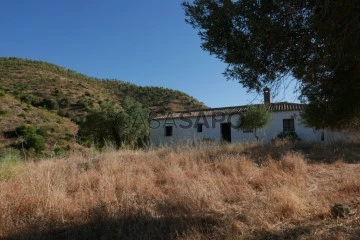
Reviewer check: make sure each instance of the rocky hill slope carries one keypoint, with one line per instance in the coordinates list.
(45, 95)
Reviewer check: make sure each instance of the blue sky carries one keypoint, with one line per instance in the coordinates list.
(144, 42)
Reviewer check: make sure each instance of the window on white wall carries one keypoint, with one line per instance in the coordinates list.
(288, 125)
(168, 131)
(199, 128)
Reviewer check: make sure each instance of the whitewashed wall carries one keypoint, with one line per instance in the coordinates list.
(185, 130)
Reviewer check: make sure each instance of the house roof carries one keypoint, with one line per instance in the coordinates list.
(273, 107)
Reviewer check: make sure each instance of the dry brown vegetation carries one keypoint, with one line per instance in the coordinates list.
(211, 191)
(15, 113)
(36, 80)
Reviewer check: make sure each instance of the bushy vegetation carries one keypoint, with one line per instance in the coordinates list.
(126, 127)
(292, 136)
(34, 141)
(32, 138)
(3, 112)
(21, 125)
(254, 118)
(204, 192)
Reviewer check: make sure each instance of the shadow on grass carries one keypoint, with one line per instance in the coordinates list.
(313, 152)
(310, 232)
(355, 235)
(291, 233)
(133, 227)
(146, 227)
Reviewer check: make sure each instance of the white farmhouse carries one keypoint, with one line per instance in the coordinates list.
(219, 124)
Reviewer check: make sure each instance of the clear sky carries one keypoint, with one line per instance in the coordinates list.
(144, 42)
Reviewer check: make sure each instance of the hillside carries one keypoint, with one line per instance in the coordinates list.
(60, 132)
(36, 81)
(45, 89)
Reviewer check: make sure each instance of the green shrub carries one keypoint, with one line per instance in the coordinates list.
(29, 98)
(50, 104)
(35, 142)
(82, 103)
(43, 131)
(57, 93)
(33, 138)
(2, 93)
(79, 120)
(60, 152)
(26, 130)
(63, 113)
(291, 136)
(3, 112)
(128, 127)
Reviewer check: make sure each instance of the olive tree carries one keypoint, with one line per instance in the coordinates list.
(254, 118)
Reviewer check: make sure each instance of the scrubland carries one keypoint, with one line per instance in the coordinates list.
(272, 191)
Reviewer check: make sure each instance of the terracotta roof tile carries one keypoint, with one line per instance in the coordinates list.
(274, 107)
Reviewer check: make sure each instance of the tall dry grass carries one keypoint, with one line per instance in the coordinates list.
(203, 192)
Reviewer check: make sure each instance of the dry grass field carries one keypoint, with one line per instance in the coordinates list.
(277, 191)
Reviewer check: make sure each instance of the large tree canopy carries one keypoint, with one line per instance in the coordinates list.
(315, 41)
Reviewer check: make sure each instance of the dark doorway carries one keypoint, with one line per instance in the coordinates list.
(168, 131)
(226, 132)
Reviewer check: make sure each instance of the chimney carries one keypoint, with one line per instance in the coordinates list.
(267, 96)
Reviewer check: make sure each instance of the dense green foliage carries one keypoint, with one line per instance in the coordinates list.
(26, 130)
(254, 118)
(126, 127)
(263, 42)
(31, 138)
(34, 141)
